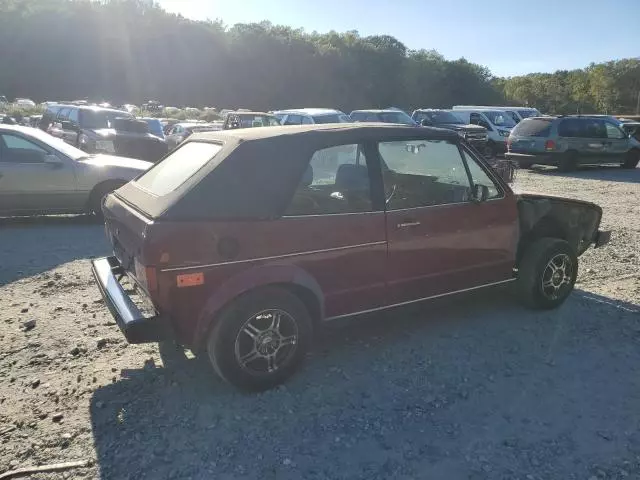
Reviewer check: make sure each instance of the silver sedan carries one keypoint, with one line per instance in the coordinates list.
(40, 174)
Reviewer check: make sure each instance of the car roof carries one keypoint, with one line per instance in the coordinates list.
(248, 112)
(327, 130)
(377, 110)
(311, 111)
(93, 108)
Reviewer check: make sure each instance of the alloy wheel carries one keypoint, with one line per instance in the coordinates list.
(557, 276)
(266, 342)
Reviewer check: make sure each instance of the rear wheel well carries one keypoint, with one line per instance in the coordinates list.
(305, 295)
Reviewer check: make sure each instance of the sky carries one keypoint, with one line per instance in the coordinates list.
(510, 37)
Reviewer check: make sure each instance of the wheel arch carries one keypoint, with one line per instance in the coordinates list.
(98, 188)
(290, 278)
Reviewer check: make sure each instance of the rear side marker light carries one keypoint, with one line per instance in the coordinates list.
(549, 145)
(190, 280)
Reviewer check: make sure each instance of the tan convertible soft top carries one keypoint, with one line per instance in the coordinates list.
(257, 169)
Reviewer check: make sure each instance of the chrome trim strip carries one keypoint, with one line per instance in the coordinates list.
(417, 300)
(296, 254)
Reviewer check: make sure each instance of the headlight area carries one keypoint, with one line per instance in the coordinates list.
(504, 133)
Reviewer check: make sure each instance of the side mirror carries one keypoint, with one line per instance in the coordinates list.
(67, 125)
(426, 123)
(480, 193)
(52, 160)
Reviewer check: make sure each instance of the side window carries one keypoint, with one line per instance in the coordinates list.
(477, 119)
(570, 127)
(614, 132)
(73, 116)
(63, 114)
(177, 129)
(293, 120)
(480, 177)
(594, 128)
(19, 150)
(336, 181)
(307, 120)
(422, 173)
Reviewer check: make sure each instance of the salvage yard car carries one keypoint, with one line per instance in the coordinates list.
(40, 174)
(474, 134)
(246, 240)
(105, 130)
(568, 142)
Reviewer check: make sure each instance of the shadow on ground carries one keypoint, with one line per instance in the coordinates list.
(606, 173)
(32, 245)
(470, 388)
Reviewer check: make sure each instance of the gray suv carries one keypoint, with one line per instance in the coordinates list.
(570, 141)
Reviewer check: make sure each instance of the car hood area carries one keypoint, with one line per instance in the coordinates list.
(117, 162)
(458, 127)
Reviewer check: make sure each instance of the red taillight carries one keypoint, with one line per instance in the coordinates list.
(152, 281)
(549, 145)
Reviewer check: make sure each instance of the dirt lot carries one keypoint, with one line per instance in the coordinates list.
(473, 388)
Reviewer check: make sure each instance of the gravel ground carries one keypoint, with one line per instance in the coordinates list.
(473, 388)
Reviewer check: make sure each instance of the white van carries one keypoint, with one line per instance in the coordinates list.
(497, 122)
(518, 113)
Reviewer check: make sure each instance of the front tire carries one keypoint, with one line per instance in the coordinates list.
(631, 159)
(97, 196)
(261, 339)
(547, 273)
(568, 162)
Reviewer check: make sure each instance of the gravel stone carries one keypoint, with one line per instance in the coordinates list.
(472, 387)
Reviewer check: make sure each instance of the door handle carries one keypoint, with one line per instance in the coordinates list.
(408, 224)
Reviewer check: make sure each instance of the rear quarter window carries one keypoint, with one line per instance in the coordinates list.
(177, 168)
(533, 128)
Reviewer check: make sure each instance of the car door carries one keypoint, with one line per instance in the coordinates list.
(34, 179)
(72, 134)
(333, 218)
(439, 239)
(593, 134)
(617, 143)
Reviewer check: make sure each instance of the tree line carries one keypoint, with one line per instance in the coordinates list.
(127, 51)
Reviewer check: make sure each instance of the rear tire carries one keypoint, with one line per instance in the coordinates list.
(261, 339)
(97, 196)
(568, 162)
(547, 273)
(631, 159)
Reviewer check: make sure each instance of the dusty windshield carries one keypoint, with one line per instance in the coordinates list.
(331, 118)
(439, 118)
(396, 117)
(500, 118)
(95, 119)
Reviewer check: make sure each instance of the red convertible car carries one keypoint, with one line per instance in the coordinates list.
(246, 240)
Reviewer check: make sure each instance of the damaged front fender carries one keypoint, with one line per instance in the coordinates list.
(575, 221)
